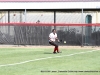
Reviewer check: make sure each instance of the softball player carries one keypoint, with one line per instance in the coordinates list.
(53, 39)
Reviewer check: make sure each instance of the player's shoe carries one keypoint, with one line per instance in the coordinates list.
(59, 52)
(54, 52)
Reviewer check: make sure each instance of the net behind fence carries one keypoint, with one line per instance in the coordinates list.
(38, 33)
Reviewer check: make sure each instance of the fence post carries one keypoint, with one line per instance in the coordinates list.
(54, 19)
(82, 27)
(25, 16)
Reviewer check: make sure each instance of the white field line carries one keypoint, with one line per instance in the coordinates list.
(46, 58)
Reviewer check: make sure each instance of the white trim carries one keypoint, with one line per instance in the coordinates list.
(49, 5)
(49, 0)
(14, 64)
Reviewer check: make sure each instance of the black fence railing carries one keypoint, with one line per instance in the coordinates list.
(38, 35)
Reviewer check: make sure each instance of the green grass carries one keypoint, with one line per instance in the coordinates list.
(77, 63)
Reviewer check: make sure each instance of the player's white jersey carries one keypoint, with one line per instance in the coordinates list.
(52, 36)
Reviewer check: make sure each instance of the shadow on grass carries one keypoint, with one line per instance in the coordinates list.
(47, 53)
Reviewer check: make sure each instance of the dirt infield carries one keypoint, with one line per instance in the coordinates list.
(32, 46)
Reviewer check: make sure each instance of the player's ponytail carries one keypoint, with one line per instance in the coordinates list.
(53, 30)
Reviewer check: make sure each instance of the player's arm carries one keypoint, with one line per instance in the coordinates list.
(50, 39)
(57, 39)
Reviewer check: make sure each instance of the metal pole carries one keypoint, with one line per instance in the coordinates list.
(54, 19)
(8, 22)
(8, 16)
(96, 19)
(26, 29)
(25, 16)
(82, 27)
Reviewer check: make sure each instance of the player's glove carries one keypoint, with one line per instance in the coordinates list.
(58, 41)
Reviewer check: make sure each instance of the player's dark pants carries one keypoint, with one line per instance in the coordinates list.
(56, 46)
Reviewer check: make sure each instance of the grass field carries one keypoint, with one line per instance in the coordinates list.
(41, 61)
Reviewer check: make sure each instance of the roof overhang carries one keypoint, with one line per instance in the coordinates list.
(49, 0)
(51, 5)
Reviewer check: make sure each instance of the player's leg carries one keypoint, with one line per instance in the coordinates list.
(56, 46)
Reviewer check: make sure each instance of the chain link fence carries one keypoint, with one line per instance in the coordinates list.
(38, 35)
